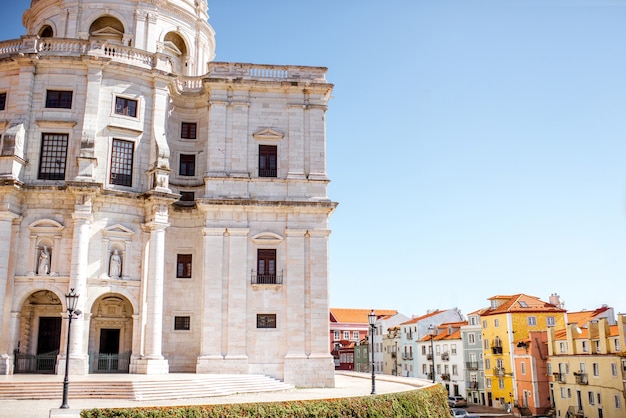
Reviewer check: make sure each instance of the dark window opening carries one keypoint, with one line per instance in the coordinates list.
(266, 266)
(187, 165)
(3, 101)
(53, 156)
(182, 323)
(59, 99)
(183, 266)
(188, 130)
(187, 196)
(126, 107)
(268, 156)
(266, 321)
(122, 163)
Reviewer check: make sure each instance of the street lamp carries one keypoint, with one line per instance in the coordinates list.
(371, 318)
(432, 331)
(70, 301)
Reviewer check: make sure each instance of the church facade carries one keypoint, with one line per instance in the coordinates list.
(184, 200)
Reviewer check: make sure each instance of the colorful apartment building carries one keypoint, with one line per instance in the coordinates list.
(531, 374)
(350, 325)
(588, 368)
(508, 319)
(471, 336)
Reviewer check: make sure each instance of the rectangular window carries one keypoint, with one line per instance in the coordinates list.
(455, 370)
(188, 130)
(532, 320)
(59, 99)
(496, 323)
(266, 321)
(488, 382)
(183, 266)
(126, 107)
(614, 369)
(266, 266)
(591, 398)
(187, 165)
(268, 157)
(53, 156)
(3, 101)
(471, 339)
(182, 323)
(187, 196)
(336, 335)
(617, 349)
(618, 401)
(346, 335)
(562, 347)
(585, 346)
(487, 364)
(523, 367)
(500, 383)
(485, 324)
(122, 163)
(355, 335)
(550, 321)
(453, 349)
(563, 393)
(596, 369)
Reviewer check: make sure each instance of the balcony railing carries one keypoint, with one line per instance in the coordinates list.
(496, 349)
(498, 371)
(407, 356)
(429, 356)
(559, 377)
(581, 378)
(266, 278)
(472, 385)
(445, 377)
(409, 335)
(393, 354)
(575, 411)
(471, 365)
(445, 356)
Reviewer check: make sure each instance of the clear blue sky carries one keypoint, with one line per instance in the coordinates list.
(475, 147)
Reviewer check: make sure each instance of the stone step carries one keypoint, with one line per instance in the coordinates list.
(142, 388)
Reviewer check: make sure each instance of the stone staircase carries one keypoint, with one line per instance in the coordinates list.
(140, 388)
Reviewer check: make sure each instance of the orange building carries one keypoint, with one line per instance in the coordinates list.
(531, 370)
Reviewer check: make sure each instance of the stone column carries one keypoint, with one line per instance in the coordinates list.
(236, 360)
(152, 361)
(317, 142)
(211, 355)
(296, 142)
(7, 269)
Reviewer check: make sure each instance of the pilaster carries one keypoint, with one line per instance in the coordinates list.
(8, 229)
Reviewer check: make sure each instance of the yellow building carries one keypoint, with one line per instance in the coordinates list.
(588, 367)
(507, 320)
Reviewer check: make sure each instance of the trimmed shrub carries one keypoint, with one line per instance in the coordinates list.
(422, 403)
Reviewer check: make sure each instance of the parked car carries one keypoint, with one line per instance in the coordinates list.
(456, 401)
(462, 413)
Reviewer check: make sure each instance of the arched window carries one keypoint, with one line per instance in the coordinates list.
(46, 32)
(107, 28)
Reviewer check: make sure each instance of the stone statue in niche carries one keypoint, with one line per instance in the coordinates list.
(43, 266)
(115, 265)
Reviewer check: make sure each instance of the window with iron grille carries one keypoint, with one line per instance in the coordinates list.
(183, 266)
(122, 162)
(182, 323)
(266, 321)
(59, 99)
(268, 156)
(266, 266)
(188, 130)
(53, 156)
(3, 101)
(126, 107)
(187, 165)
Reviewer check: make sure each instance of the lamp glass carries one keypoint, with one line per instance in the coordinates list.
(372, 317)
(71, 299)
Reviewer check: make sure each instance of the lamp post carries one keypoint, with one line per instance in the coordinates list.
(432, 331)
(395, 360)
(70, 300)
(371, 318)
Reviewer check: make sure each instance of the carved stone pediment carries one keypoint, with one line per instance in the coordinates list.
(117, 231)
(46, 227)
(267, 238)
(268, 134)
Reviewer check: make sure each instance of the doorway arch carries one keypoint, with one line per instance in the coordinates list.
(110, 334)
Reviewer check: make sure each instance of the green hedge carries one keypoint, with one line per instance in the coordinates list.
(423, 403)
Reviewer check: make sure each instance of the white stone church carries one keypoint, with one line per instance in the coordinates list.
(184, 200)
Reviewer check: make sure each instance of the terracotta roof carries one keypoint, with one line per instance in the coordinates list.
(420, 318)
(520, 303)
(581, 318)
(358, 316)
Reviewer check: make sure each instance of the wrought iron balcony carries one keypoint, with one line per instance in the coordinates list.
(409, 335)
(429, 356)
(266, 278)
(496, 349)
(498, 371)
(581, 378)
(445, 356)
(575, 411)
(472, 385)
(559, 377)
(445, 377)
(471, 365)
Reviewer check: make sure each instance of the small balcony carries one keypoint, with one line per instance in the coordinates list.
(429, 356)
(471, 365)
(498, 371)
(393, 354)
(496, 349)
(407, 356)
(445, 377)
(266, 278)
(575, 411)
(445, 356)
(581, 378)
(409, 336)
(559, 377)
(472, 385)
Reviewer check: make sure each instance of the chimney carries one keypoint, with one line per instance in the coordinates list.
(555, 300)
